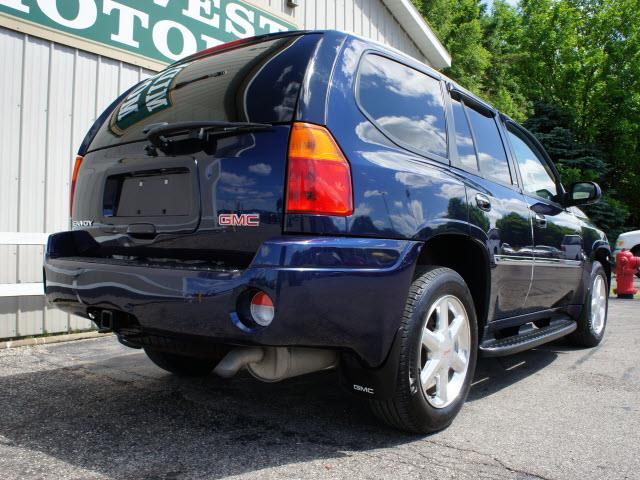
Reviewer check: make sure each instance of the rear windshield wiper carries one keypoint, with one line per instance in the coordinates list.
(159, 133)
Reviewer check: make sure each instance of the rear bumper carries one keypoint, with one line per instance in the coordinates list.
(331, 292)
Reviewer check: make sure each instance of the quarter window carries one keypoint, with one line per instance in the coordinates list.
(492, 158)
(405, 104)
(464, 140)
(537, 178)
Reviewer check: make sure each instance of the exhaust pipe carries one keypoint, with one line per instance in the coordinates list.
(105, 324)
(272, 364)
(236, 360)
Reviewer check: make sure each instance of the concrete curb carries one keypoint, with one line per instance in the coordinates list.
(27, 342)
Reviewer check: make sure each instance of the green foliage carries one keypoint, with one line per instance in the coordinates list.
(556, 131)
(458, 23)
(577, 161)
(501, 84)
(571, 69)
(610, 215)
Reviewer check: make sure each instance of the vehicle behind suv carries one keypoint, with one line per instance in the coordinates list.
(313, 200)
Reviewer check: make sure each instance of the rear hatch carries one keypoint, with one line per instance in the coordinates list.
(190, 165)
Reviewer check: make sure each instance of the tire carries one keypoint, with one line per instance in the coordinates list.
(419, 409)
(591, 328)
(182, 365)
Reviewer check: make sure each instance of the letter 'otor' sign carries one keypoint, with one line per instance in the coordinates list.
(161, 30)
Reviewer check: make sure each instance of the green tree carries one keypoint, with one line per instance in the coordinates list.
(501, 86)
(572, 67)
(577, 161)
(458, 23)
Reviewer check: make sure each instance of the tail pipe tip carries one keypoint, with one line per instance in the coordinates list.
(236, 359)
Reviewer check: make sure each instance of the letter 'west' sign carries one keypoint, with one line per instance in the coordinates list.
(161, 30)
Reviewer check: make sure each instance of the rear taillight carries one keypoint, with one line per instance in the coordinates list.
(74, 177)
(319, 176)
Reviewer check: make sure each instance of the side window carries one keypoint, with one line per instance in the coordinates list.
(404, 103)
(537, 177)
(492, 158)
(464, 141)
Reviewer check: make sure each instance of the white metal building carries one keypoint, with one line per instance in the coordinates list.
(64, 62)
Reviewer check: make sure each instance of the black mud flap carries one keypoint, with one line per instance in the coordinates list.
(375, 383)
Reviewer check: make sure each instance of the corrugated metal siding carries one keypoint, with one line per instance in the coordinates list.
(369, 18)
(11, 50)
(51, 96)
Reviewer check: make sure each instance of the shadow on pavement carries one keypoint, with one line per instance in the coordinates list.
(123, 418)
(495, 374)
(123, 421)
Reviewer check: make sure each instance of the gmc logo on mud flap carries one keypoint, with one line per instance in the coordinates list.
(360, 388)
(235, 220)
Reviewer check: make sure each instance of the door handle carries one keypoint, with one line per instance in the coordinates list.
(541, 221)
(483, 202)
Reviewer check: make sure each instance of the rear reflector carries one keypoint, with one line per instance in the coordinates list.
(74, 177)
(262, 310)
(319, 176)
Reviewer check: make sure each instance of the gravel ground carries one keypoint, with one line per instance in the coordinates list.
(94, 409)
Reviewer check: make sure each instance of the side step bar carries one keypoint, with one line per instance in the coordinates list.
(527, 339)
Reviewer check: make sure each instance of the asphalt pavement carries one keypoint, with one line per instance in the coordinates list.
(95, 409)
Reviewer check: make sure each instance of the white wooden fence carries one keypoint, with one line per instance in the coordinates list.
(23, 309)
(51, 95)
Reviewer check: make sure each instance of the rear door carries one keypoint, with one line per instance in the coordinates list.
(197, 194)
(558, 243)
(496, 206)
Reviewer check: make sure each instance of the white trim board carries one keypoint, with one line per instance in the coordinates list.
(23, 238)
(420, 32)
(21, 289)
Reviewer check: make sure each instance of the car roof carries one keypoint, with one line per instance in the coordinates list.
(452, 84)
(381, 47)
(244, 41)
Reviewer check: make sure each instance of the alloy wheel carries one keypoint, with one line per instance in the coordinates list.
(445, 351)
(598, 304)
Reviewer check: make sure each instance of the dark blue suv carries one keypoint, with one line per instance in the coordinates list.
(313, 200)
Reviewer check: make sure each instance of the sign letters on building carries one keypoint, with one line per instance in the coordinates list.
(161, 30)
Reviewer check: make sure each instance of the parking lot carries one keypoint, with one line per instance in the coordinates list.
(94, 409)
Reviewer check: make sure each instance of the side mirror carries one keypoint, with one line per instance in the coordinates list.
(582, 193)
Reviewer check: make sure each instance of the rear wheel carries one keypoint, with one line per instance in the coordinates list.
(593, 318)
(182, 365)
(439, 341)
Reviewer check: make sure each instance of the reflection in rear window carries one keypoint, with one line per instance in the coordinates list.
(405, 103)
(256, 83)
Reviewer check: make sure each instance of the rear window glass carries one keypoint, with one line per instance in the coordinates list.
(404, 103)
(256, 83)
(492, 157)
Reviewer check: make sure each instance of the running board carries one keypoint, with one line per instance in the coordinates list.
(527, 339)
